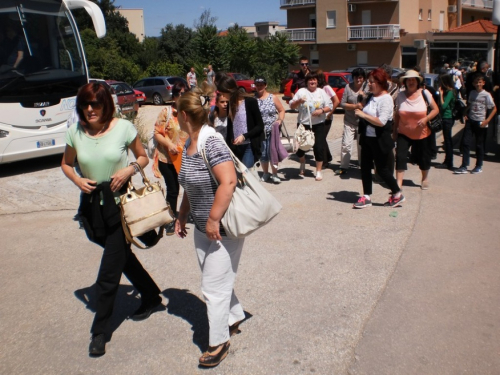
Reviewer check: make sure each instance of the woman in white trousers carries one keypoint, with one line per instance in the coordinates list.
(207, 198)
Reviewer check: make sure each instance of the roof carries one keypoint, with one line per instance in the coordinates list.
(476, 27)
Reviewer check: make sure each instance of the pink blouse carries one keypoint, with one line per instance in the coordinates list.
(410, 112)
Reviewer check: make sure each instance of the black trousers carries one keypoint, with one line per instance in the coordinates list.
(320, 144)
(118, 258)
(372, 154)
(171, 182)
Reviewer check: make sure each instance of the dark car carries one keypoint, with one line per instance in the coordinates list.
(127, 101)
(244, 83)
(158, 90)
(336, 80)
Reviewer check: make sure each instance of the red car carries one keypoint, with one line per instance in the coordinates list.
(140, 97)
(126, 97)
(337, 81)
(244, 83)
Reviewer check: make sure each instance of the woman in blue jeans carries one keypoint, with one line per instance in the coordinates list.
(447, 103)
(245, 128)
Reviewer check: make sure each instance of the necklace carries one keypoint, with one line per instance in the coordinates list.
(97, 135)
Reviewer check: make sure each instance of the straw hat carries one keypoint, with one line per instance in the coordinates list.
(410, 74)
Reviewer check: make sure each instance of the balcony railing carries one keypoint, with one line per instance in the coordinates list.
(292, 3)
(487, 4)
(373, 32)
(301, 35)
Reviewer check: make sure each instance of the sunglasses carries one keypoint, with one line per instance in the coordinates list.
(93, 104)
(304, 64)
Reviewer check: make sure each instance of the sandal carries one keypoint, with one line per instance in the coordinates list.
(211, 360)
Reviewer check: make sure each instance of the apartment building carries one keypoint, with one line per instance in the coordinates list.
(336, 34)
(135, 18)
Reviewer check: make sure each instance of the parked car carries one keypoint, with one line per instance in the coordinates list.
(126, 96)
(139, 96)
(337, 81)
(244, 83)
(113, 93)
(368, 68)
(158, 90)
(285, 81)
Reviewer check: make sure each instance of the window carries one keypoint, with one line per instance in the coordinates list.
(314, 58)
(420, 15)
(429, 14)
(331, 19)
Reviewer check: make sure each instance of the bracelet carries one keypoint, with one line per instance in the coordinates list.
(136, 168)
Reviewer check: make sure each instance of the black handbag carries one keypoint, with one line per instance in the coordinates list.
(436, 123)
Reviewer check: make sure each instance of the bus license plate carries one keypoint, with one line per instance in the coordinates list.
(45, 143)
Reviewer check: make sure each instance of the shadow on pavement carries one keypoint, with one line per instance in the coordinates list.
(189, 307)
(127, 301)
(29, 166)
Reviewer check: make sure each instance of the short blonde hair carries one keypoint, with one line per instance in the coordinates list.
(196, 103)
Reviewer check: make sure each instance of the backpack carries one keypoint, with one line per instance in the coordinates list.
(458, 110)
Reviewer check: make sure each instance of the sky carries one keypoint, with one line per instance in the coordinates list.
(159, 13)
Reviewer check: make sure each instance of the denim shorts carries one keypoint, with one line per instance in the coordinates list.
(266, 144)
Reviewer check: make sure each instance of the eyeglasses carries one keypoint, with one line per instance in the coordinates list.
(93, 104)
(304, 64)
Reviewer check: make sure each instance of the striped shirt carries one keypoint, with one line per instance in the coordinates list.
(198, 183)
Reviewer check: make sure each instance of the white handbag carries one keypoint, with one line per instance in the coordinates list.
(144, 209)
(251, 206)
(304, 139)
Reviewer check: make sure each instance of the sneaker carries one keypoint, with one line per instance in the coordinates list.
(461, 170)
(170, 229)
(476, 170)
(340, 171)
(362, 202)
(275, 179)
(265, 177)
(319, 176)
(97, 345)
(395, 202)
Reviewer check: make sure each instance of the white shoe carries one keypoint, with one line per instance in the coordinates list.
(319, 176)
(265, 177)
(275, 179)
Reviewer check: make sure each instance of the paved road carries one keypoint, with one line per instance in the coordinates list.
(330, 290)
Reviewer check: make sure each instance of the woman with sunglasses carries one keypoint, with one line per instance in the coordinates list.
(101, 143)
(167, 157)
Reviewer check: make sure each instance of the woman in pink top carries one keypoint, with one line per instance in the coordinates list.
(410, 123)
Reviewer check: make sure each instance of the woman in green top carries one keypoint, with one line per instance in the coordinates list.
(101, 143)
(447, 100)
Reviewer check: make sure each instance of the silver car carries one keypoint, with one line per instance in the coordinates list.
(158, 90)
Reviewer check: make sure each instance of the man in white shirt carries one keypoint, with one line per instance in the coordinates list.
(457, 77)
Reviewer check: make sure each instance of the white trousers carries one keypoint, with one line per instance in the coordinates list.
(219, 262)
(347, 143)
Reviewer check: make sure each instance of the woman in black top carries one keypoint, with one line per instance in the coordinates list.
(245, 128)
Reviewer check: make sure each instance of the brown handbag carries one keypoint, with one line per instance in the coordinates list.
(144, 209)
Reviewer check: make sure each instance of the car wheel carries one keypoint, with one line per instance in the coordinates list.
(157, 99)
(242, 90)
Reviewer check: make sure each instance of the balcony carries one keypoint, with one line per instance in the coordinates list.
(373, 32)
(480, 4)
(301, 35)
(294, 3)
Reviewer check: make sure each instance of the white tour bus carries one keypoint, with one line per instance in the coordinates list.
(42, 65)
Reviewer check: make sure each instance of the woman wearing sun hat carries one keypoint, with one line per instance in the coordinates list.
(410, 126)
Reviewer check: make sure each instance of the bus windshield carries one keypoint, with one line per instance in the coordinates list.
(41, 58)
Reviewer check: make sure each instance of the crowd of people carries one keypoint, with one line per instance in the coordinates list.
(384, 119)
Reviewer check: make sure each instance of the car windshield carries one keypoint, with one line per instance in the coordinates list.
(240, 77)
(348, 77)
(52, 64)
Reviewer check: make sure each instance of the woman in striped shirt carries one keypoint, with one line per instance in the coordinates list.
(207, 201)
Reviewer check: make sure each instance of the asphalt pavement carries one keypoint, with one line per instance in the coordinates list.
(327, 289)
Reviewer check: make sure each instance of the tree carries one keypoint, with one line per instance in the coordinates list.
(176, 42)
(238, 51)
